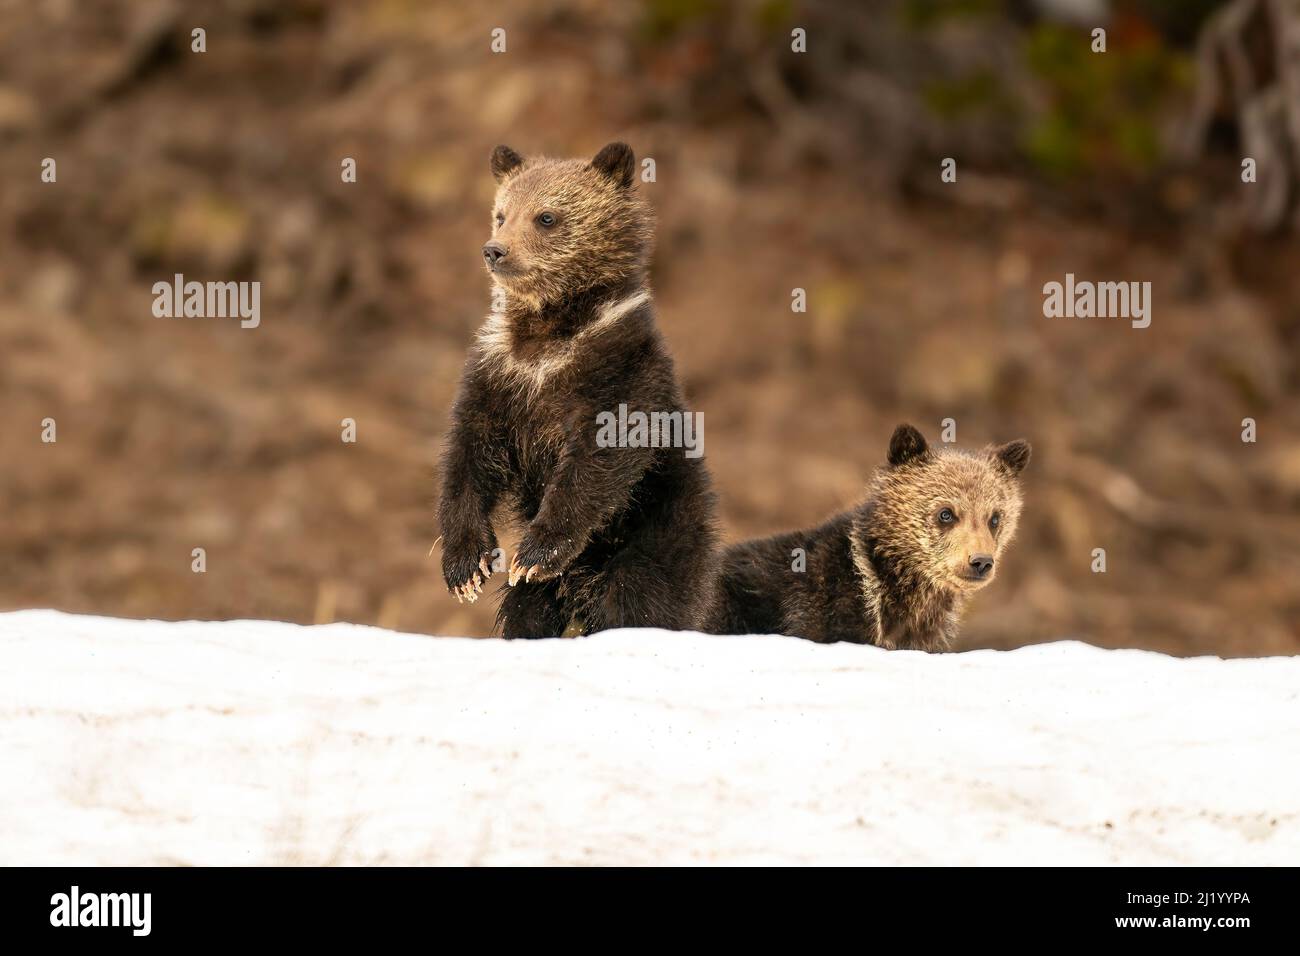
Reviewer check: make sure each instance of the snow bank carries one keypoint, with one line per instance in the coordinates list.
(128, 742)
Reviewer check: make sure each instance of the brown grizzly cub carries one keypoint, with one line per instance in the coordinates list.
(898, 569)
(614, 534)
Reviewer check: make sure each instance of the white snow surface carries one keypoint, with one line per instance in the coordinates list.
(251, 742)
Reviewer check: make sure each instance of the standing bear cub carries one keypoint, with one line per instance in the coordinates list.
(897, 570)
(612, 536)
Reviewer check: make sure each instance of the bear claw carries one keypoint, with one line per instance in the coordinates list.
(470, 590)
(517, 571)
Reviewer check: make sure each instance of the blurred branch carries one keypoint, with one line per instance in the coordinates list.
(1248, 66)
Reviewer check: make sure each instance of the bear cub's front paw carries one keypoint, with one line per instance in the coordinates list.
(541, 556)
(466, 566)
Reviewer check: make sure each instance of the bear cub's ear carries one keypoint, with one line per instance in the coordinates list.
(1013, 456)
(908, 444)
(505, 161)
(617, 163)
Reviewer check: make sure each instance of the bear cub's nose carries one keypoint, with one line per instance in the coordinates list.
(982, 563)
(493, 252)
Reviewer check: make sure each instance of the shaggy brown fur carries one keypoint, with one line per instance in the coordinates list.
(898, 569)
(613, 536)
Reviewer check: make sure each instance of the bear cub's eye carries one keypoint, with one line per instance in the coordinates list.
(946, 516)
(501, 218)
(546, 219)
(995, 520)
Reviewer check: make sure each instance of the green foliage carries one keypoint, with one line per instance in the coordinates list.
(922, 14)
(977, 92)
(665, 18)
(773, 15)
(1104, 108)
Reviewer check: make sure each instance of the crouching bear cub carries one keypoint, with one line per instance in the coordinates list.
(612, 536)
(897, 570)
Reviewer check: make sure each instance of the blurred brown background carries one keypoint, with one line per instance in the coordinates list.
(775, 170)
